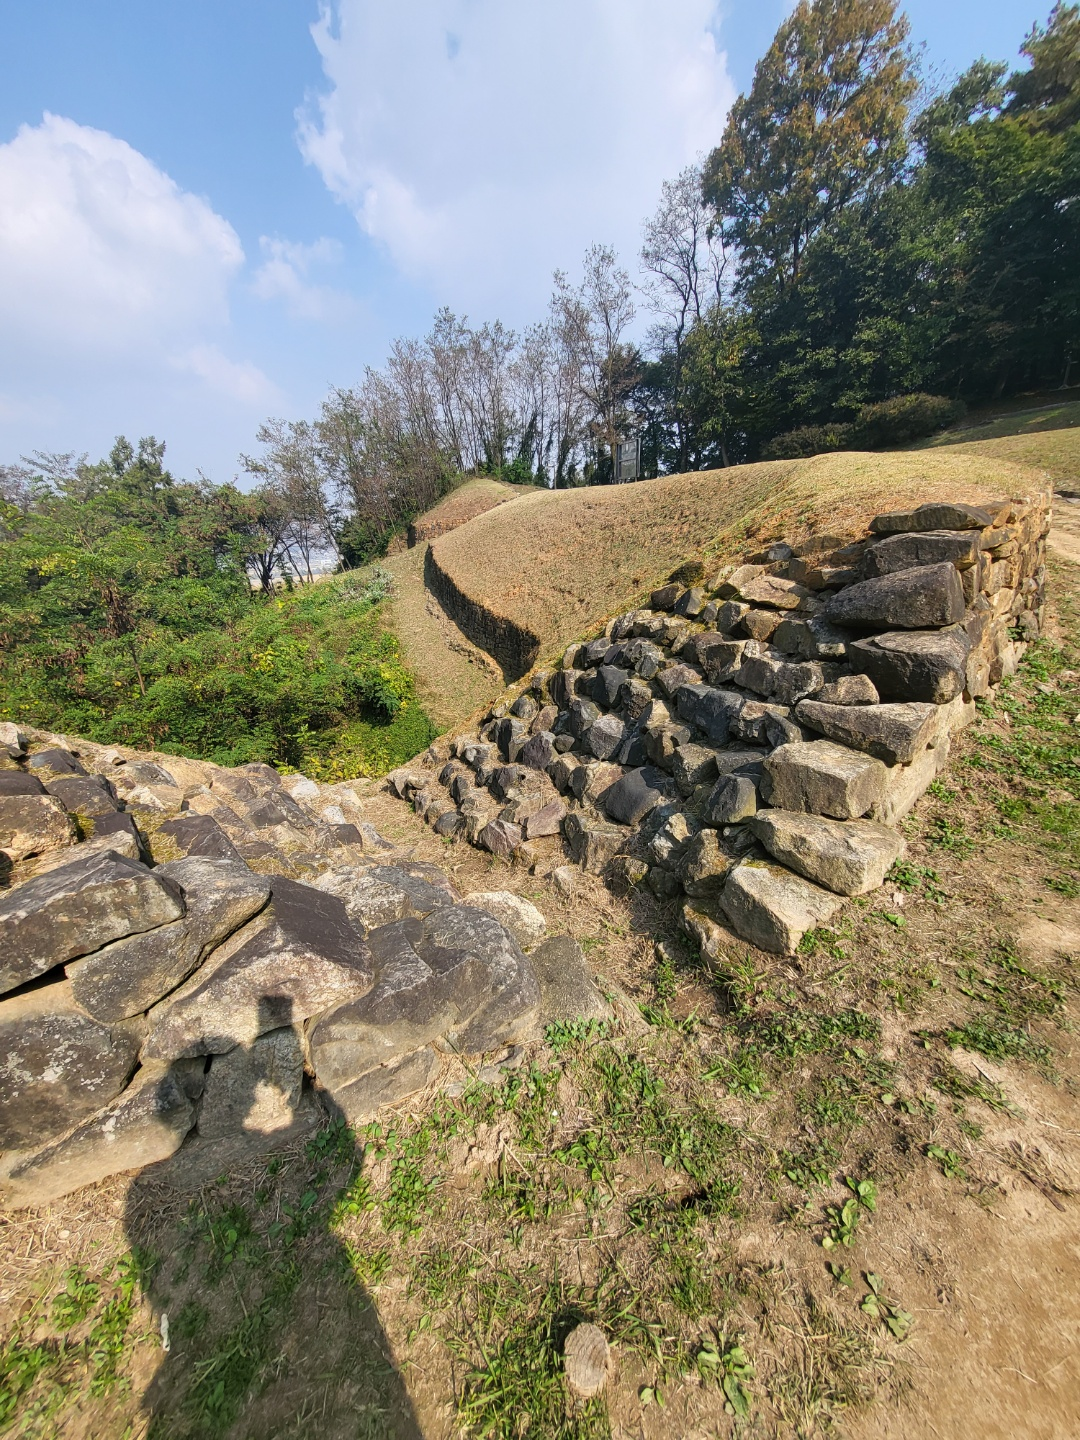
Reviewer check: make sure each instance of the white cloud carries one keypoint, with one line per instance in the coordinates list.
(283, 275)
(100, 251)
(483, 143)
(236, 380)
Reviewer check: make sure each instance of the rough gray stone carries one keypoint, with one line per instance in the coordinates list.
(824, 779)
(849, 690)
(928, 665)
(935, 516)
(89, 795)
(905, 551)
(57, 1064)
(128, 976)
(545, 821)
(704, 865)
(56, 761)
(141, 1127)
(760, 624)
(583, 715)
(755, 720)
(850, 857)
(664, 598)
(361, 1100)
(199, 835)
(693, 765)
(539, 750)
(33, 825)
(924, 598)
(673, 677)
(78, 908)
(302, 955)
(383, 893)
(632, 797)
(524, 921)
(609, 681)
(772, 908)
(17, 782)
(592, 842)
(712, 710)
(740, 762)
(774, 592)
(568, 990)
(893, 733)
(524, 707)
(254, 1089)
(458, 977)
(591, 781)
(733, 798)
(668, 845)
(605, 737)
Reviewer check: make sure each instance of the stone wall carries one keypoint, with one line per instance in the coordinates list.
(748, 745)
(513, 646)
(195, 961)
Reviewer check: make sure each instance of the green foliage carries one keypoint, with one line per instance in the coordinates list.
(884, 426)
(126, 615)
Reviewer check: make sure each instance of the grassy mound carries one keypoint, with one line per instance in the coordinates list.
(1047, 437)
(555, 564)
(472, 498)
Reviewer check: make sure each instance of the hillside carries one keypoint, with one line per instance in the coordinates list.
(525, 580)
(1047, 436)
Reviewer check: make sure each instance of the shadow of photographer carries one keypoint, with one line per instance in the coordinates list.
(266, 1329)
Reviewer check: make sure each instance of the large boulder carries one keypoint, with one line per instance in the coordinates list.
(592, 842)
(772, 908)
(32, 824)
(254, 1089)
(908, 551)
(301, 956)
(131, 975)
(850, 857)
(895, 733)
(524, 921)
(458, 977)
(78, 908)
(605, 737)
(927, 665)
(711, 709)
(926, 597)
(824, 779)
(361, 1099)
(380, 894)
(57, 1064)
(568, 990)
(144, 1125)
(88, 795)
(704, 865)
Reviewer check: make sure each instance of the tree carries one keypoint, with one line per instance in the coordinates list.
(824, 126)
(1048, 93)
(611, 368)
(294, 489)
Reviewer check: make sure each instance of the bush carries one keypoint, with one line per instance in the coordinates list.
(902, 420)
(884, 426)
(807, 440)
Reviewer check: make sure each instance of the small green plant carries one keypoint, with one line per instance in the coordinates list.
(952, 1167)
(897, 1321)
(728, 1365)
(844, 1219)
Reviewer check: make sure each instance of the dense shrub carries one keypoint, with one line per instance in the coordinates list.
(884, 426)
(902, 420)
(807, 440)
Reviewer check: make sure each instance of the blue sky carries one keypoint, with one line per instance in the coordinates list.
(235, 204)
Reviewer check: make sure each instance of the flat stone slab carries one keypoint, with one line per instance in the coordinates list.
(850, 857)
(361, 1100)
(824, 779)
(141, 1127)
(301, 956)
(772, 908)
(934, 516)
(57, 1065)
(133, 974)
(925, 597)
(568, 990)
(905, 665)
(906, 551)
(199, 835)
(78, 908)
(895, 733)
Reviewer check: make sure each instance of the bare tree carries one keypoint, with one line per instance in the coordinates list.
(292, 471)
(610, 370)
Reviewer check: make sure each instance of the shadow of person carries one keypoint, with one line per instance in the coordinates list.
(265, 1328)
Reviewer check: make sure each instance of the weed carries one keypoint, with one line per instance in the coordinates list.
(898, 1322)
(952, 1167)
(844, 1219)
(998, 1041)
(76, 1300)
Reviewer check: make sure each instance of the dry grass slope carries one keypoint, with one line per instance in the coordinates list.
(556, 564)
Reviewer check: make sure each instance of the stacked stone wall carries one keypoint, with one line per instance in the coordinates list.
(197, 961)
(747, 745)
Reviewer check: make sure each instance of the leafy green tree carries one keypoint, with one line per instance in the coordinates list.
(824, 126)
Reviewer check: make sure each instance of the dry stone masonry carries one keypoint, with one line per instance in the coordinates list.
(202, 960)
(747, 744)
